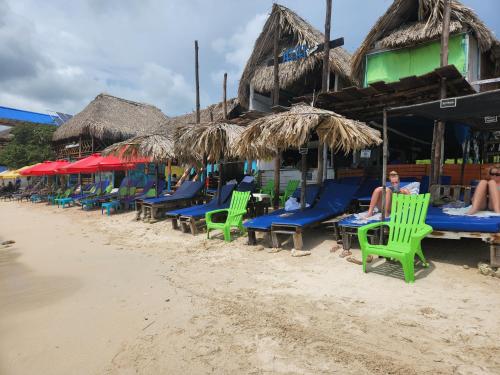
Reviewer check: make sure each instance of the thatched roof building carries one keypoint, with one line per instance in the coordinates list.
(408, 23)
(296, 77)
(105, 120)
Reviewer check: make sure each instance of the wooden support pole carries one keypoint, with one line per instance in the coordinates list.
(276, 101)
(224, 96)
(169, 173)
(438, 154)
(197, 75)
(325, 83)
(303, 163)
(385, 147)
(221, 160)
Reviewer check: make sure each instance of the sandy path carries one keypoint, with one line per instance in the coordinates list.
(76, 289)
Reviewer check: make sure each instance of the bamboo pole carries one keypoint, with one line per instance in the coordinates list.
(276, 101)
(197, 75)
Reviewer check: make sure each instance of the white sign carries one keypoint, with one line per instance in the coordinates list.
(366, 154)
(490, 119)
(449, 103)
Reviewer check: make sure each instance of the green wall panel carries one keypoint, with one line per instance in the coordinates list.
(390, 66)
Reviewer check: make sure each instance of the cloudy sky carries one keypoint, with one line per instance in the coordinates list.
(57, 55)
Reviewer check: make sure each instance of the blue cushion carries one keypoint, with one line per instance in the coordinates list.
(187, 190)
(438, 220)
(200, 210)
(333, 201)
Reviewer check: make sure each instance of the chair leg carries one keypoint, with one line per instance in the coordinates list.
(227, 234)
(409, 269)
(364, 256)
(420, 254)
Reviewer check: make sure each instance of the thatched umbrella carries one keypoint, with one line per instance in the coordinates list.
(158, 147)
(293, 129)
(213, 141)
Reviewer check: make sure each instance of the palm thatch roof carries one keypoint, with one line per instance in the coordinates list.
(214, 112)
(113, 119)
(409, 22)
(294, 31)
(158, 147)
(292, 129)
(213, 139)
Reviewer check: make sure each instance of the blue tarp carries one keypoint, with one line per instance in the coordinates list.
(20, 115)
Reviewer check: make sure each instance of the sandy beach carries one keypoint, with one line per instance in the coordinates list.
(83, 293)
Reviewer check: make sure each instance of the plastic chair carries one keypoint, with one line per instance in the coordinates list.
(291, 186)
(407, 229)
(234, 219)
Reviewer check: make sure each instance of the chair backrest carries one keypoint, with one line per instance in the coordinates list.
(291, 186)
(336, 197)
(225, 193)
(239, 201)
(312, 192)
(268, 188)
(408, 213)
(185, 186)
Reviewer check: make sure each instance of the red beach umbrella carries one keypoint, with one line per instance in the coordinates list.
(47, 168)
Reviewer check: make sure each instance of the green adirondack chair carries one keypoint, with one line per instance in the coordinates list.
(407, 229)
(234, 219)
(291, 186)
(268, 188)
(66, 194)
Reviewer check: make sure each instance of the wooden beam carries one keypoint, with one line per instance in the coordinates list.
(197, 76)
(437, 157)
(276, 101)
(325, 83)
(224, 96)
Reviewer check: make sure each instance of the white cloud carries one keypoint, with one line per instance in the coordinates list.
(238, 47)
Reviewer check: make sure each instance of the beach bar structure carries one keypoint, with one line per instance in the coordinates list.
(300, 73)
(105, 120)
(399, 64)
(481, 111)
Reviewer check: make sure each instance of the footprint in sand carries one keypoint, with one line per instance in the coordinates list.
(432, 313)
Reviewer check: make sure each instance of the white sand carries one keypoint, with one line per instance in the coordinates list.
(82, 293)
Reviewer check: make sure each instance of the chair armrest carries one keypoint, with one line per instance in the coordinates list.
(209, 214)
(420, 235)
(242, 212)
(363, 231)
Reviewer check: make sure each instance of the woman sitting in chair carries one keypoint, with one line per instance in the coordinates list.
(394, 188)
(487, 194)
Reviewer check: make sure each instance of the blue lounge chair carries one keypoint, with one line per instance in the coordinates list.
(334, 201)
(188, 192)
(264, 223)
(147, 192)
(188, 216)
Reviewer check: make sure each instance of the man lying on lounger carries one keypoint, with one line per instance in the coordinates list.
(394, 188)
(487, 194)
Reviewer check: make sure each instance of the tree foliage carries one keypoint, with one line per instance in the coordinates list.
(31, 144)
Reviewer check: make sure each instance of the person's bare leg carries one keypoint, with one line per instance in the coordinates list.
(494, 197)
(388, 201)
(479, 200)
(375, 201)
